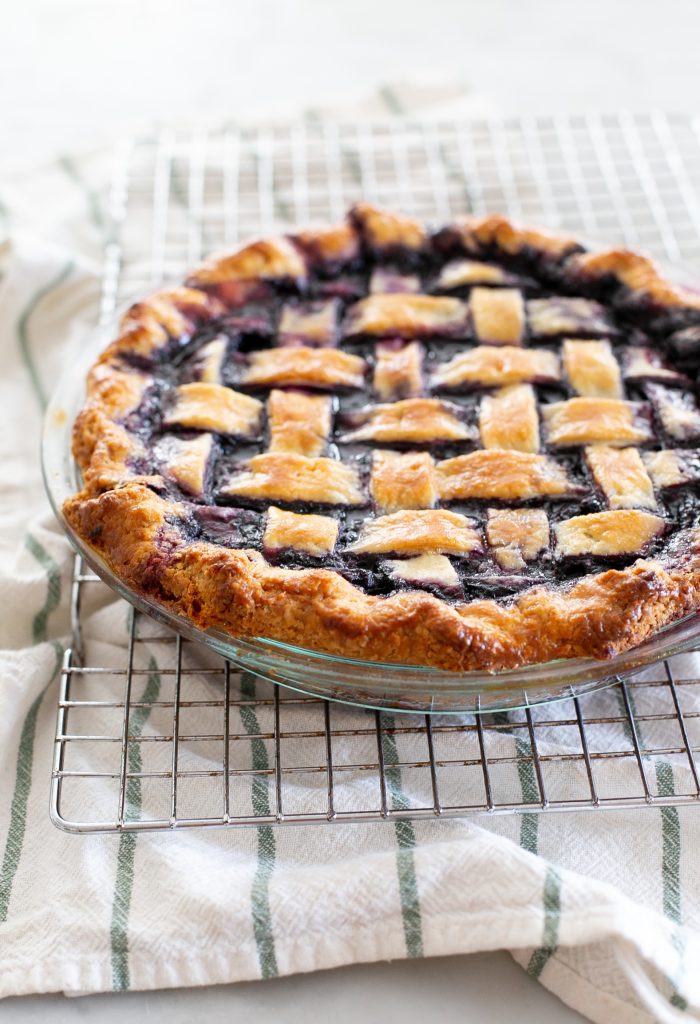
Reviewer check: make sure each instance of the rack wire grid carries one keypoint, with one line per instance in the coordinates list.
(169, 735)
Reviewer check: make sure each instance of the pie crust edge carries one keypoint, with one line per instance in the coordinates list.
(236, 590)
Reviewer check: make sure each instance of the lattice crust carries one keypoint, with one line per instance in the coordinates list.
(403, 481)
(498, 315)
(310, 534)
(671, 468)
(429, 572)
(508, 419)
(421, 532)
(470, 448)
(517, 536)
(299, 422)
(607, 534)
(491, 367)
(387, 281)
(208, 361)
(497, 475)
(213, 407)
(559, 316)
(621, 476)
(597, 421)
(325, 368)
(458, 274)
(274, 476)
(398, 370)
(677, 411)
(406, 316)
(412, 421)
(591, 369)
(186, 462)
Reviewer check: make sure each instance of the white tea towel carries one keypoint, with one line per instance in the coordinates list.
(603, 908)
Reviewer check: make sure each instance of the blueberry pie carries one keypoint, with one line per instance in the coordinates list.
(471, 448)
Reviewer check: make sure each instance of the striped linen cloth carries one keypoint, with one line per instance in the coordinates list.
(604, 909)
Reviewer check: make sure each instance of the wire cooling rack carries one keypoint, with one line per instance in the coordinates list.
(164, 734)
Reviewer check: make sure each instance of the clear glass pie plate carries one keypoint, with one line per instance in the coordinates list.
(369, 684)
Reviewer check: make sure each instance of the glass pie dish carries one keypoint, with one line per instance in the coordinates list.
(399, 687)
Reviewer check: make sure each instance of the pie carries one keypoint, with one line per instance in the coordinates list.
(476, 447)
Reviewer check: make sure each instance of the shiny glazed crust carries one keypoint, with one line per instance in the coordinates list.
(122, 516)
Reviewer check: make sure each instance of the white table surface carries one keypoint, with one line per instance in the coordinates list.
(484, 988)
(276, 58)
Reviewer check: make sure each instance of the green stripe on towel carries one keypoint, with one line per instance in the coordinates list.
(20, 797)
(529, 830)
(267, 849)
(406, 840)
(25, 751)
(126, 854)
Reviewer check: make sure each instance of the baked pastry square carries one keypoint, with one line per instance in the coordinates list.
(475, 447)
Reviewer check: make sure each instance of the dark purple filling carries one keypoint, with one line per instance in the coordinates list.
(230, 527)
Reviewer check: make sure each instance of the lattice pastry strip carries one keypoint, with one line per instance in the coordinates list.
(671, 468)
(407, 317)
(560, 316)
(677, 411)
(508, 419)
(458, 274)
(581, 421)
(607, 534)
(622, 476)
(426, 572)
(403, 481)
(489, 366)
(495, 475)
(186, 461)
(591, 368)
(389, 282)
(200, 406)
(209, 361)
(398, 370)
(517, 536)
(299, 422)
(411, 421)
(286, 477)
(321, 368)
(436, 531)
(309, 534)
(498, 315)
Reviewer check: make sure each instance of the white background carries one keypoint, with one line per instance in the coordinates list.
(74, 74)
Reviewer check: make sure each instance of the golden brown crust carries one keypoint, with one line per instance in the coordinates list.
(385, 232)
(123, 518)
(304, 367)
(329, 246)
(298, 422)
(238, 592)
(478, 235)
(406, 315)
(498, 315)
(414, 420)
(267, 259)
(508, 419)
(638, 273)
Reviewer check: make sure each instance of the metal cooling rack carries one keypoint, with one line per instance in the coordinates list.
(164, 734)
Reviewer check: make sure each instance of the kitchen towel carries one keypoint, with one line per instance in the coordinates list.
(602, 908)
